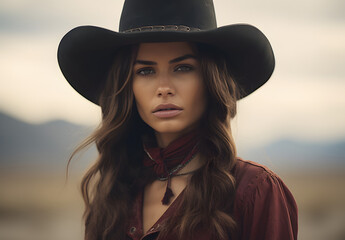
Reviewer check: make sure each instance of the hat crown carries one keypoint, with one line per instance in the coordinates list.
(192, 13)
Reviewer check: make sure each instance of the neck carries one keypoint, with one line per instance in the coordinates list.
(164, 139)
(195, 164)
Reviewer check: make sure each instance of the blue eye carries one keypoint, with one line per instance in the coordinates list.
(184, 68)
(145, 71)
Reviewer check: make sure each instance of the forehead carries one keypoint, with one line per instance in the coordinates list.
(164, 50)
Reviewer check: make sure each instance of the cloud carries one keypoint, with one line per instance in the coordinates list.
(304, 109)
(41, 16)
(302, 11)
(310, 50)
(307, 36)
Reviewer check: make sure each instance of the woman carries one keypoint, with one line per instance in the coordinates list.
(167, 85)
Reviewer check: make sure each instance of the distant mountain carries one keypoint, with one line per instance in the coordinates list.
(290, 154)
(49, 145)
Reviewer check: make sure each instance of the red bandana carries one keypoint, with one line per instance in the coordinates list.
(167, 162)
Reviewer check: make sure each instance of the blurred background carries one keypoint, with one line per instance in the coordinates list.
(294, 124)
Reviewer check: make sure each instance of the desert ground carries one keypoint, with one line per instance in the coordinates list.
(42, 206)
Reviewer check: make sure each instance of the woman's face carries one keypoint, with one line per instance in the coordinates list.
(168, 87)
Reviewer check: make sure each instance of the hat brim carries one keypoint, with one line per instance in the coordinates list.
(86, 53)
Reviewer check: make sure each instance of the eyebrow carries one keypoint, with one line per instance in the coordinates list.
(175, 60)
(179, 59)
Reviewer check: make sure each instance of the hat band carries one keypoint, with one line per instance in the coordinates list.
(178, 28)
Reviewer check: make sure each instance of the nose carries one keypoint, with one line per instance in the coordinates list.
(165, 87)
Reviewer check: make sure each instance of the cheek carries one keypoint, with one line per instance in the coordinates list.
(137, 96)
(200, 103)
(197, 100)
(141, 99)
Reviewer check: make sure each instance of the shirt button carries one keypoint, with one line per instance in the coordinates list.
(132, 230)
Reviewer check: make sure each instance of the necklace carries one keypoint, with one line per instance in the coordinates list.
(171, 173)
(166, 162)
(177, 175)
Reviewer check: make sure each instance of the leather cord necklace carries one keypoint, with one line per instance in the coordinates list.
(167, 162)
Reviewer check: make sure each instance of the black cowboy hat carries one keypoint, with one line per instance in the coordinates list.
(86, 53)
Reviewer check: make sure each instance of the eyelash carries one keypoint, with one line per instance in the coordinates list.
(142, 70)
(187, 68)
(180, 68)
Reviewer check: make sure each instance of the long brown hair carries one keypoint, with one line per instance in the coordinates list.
(111, 184)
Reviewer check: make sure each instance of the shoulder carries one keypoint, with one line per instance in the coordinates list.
(263, 204)
(255, 182)
(251, 175)
(245, 169)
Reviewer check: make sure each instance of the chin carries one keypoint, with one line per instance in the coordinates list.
(172, 127)
(169, 129)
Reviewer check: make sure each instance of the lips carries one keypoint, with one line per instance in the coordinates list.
(166, 107)
(167, 111)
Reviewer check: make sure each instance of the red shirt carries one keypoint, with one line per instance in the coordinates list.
(264, 208)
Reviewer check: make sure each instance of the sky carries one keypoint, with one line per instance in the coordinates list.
(304, 99)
